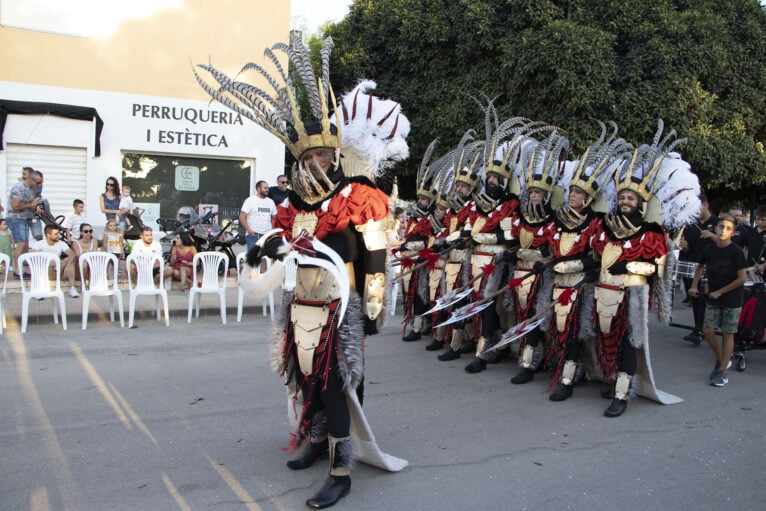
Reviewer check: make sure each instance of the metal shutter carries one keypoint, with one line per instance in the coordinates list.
(64, 170)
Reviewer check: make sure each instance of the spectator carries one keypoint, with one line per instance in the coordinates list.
(742, 230)
(725, 263)
(126, 206)
(279, 192)
(22, 199)
(84, 243)
(110, 199)
(114, 243)
(33, 222)
(695, 238)
(75, 220)
(52, 243)
(147, 244)
(6, 241)
(756, 246)
(256, 214)
(181, 259)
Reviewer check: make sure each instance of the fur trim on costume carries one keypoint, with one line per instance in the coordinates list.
(587, 304)
(663, 289)
(496, 279)
(544, 297)
(350, 345)
(638, 315)
(466, 268)
(423, 281)
(278, 330)
(318, 430)
(344, 454)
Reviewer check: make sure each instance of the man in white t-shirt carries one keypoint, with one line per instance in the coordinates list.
(146, 244)
(256, 214)
(52, 243)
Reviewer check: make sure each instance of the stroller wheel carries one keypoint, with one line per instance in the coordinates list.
(740, 362)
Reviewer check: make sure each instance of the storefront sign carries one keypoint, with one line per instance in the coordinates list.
(187, 178)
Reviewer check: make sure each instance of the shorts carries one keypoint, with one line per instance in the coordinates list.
(725, 317)
(36, 226)
(18, 227)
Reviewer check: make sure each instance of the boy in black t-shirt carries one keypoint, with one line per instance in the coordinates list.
(725, 263)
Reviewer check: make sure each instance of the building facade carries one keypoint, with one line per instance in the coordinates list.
(94, 90)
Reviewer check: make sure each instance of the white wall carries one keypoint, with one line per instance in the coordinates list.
(127, 127)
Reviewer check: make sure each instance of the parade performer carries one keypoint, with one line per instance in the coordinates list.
(464, 162)
(569, 238)
(654, 187)
(334, 287)
(489, 220)
(540, 166)
(415, 283)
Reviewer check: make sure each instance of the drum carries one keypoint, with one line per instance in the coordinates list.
(685, 269)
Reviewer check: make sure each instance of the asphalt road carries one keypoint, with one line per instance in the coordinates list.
(191, 417)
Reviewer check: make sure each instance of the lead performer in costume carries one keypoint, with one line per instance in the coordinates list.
(654, 187)
(335, 287)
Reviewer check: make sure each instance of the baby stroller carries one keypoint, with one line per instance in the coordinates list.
(752, 326)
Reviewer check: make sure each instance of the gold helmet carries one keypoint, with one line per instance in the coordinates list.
(541, 164)
(426, 174)
(599, 163)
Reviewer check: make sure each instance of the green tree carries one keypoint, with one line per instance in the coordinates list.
(698, 65)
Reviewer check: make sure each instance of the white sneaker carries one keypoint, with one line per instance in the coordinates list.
(73, 293)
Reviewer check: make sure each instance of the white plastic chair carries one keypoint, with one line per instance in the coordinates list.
(211, 283)
(101, 284)
(40, 284)
(241, 292)
(6, 262)
(145, 285)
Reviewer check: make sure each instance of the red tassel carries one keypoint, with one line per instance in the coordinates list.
(514, 283)
(488, 268)
(425, 253)
(394, 251)
(566, 296)
(407, 263)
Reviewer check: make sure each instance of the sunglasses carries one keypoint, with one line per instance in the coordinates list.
(283, 182)
(111, 184)
(38, 182)
(87, 231)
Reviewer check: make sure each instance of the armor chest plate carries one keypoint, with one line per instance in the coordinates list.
(567, 242)
(526, 238)
(611, 254)
(305, 221)
(452, 224)
(478, 225)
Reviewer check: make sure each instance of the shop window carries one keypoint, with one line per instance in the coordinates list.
(162, 184)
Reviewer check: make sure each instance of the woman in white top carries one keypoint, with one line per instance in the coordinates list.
(84, 244)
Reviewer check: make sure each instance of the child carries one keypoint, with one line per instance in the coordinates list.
(725, 263)
(113, 240)
(6, 242)
(126, 206)
(75, 220)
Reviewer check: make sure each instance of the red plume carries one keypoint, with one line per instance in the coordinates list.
(566, 296)
(514, 283)
(488, 268)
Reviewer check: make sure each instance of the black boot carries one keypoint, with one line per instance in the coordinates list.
(334, 489)
(467, 347)
(412, 336)
(477, 365)
(695, 337)
(617, 408)
(310, 454)
(435, 345)
(525, 375)
(562, 393)
(498, 356)
(448, 354)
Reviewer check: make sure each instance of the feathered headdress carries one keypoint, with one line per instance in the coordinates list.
(663, 180)
(426, 173)
(597, 165)
(541, 164)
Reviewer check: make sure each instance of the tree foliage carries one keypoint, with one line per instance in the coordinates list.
(699, 65)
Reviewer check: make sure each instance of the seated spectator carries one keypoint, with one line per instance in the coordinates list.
(84, 243)
(147, 244)
(52, 243)
(181, 259)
